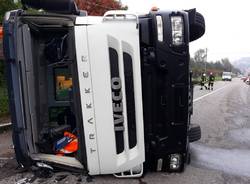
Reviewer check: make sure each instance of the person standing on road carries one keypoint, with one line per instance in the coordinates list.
(203, 81)
(211, 79)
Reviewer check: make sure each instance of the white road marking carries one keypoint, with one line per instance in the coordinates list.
(6, 158)
(5, 125)
(215, 91)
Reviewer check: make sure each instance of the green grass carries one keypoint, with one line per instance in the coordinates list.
(197, 80)
(218, 78)
(4, 102)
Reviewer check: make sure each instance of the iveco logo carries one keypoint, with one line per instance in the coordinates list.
(117, 103)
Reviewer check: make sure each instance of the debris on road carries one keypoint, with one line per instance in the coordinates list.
(60, 177)
(26, 180)
(42, 172)
(23, 181)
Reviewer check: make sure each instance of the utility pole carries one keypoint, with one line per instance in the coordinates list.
(206, 61)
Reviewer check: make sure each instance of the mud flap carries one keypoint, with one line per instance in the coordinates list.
(196, 24)
(194, 133)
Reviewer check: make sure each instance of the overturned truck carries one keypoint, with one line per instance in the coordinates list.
(104, 95)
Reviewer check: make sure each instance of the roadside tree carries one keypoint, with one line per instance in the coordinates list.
(99, 7)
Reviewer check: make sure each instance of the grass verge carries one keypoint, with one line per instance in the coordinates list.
(4, 102)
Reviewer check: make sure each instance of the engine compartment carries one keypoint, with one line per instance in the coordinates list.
(50, 63)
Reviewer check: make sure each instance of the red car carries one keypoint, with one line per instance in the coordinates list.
(244, 78)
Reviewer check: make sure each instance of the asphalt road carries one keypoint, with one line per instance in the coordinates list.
(222, 156)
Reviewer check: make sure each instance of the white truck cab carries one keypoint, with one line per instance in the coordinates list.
(227, 76)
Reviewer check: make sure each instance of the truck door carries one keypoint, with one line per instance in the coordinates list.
(12, 38)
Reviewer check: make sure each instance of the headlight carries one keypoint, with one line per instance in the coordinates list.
(159, 28)
(175, 161)
(177, 30)
(7, 16)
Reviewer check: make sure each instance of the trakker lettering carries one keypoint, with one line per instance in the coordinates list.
(117, 103)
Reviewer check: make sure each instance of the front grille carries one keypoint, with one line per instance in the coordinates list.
(114, 70)
(128, 97)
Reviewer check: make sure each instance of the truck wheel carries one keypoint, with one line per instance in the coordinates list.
(194, 133)
(196, 25)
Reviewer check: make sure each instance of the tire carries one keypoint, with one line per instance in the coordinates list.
(196, 25)
(194, 133)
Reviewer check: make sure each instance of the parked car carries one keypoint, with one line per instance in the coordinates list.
(243, 78)
(104, 95)
(247, 80)
(227, 76)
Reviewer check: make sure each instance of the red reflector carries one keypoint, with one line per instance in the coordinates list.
(1, 32)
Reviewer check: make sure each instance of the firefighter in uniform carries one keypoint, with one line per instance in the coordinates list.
(203, 81)
(211, 79)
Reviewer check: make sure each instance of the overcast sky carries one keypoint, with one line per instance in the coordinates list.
(227, 24)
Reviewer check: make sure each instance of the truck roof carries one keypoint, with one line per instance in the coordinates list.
(226, 73)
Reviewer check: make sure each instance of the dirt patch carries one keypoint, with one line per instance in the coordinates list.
(7, 168)
(7, 162)
(5, 119)
(6, 144)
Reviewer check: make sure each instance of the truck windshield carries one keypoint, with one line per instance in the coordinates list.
(226, 74)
